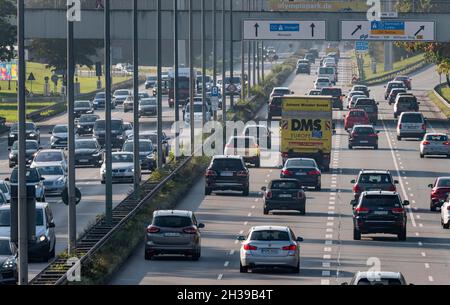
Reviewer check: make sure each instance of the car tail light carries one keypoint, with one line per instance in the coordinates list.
(446, 143)
(290, 248)
(425, 143)
(354, 134)
(399, 126)
(373, 135)
(362, 210)
(398, 210)
(152, 229)
(392, 188)
(242, 174)
(190, 230)
(300, 195)
(286, 172)
(268, 195)
(356, 188)
(210, 173)
(448, 208)
(314, 172)
(248, 247)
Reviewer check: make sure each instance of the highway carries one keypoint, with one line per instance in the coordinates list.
(329, 255)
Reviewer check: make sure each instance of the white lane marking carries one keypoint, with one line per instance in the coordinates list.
(332, 202)
(420, 225)
(327, 249)
(245, 223)
(241, 232)
(226, 264)
(423, 254)
(325, 282)
(430, 278)
(329, 236)
(256, 200)
(329, 230)
(331, 218)
(330, 224)
(326, 256)
(326, 273)
(427, 266)
(417, 234)
(220, 277)
(249, 215)
(331, 207)
(232, 252)
(253, 206)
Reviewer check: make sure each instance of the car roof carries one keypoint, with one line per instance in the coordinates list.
(270, 228)
(363, 125)
(281, 88)
(374, 171)
(395, 82)
(50, 150)
(227, 157)
(39, 205)
(49, 164)
(172, 213)
(122, 153)
(383, 274)
(301, 159)
(385, 193)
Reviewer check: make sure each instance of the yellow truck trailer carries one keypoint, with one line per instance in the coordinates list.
(307, 128)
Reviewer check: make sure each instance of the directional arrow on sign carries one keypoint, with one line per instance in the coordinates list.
(312, 29)
(256, 29)
(422, 28)
(359, 27)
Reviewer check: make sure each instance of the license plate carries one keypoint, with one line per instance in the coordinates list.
(226, 174)
(285, 196)
(380, 213)
(172, 234)
(269, 251)
(364, 142)
(300, 174)
(84, 160)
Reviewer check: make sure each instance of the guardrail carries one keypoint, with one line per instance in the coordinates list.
(94, 238)
(439, 96)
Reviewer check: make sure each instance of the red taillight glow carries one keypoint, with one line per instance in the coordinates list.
(373, 135)
(398, 210)
(314, 172)
(356, 188)
(152, 229)
(399, 126)
(242, 174)
(300, 195)
(392, 188)
(248, 247)
(268, 195)
(448, 208)
(210, 173)
(190, 230)
(362, 210)
(446, 143)
(286, 172)
(425, 143)
(290, 248)
(354, 134)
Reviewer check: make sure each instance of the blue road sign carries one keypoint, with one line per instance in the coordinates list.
(284, 27)
(388, 27)
(361, 46)
(214, 91)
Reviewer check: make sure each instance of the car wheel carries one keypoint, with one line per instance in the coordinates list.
(196, 255)
(52, 253)
(375, 147)
(350, 147)
(356, 234)
(208, 191)
(266, 211)
(246, 191)
(399, 138)
(422, 156)
(147, 256)
(432, 207)
(318, 188)
(103, 181)
(303, 211)
(258, 163)
(402, 235)
(297, 268)
(243, 269)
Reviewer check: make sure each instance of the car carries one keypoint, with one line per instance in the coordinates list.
(380, 212)
(99, 100)
(143, 95)
(122, 168)
(50, 157)
(32, 147)
(208, 83)
(55, 179)
(88, 153)
(198, 100)
(31, 130)
(411, 125)
(118, 135)
(232, 86)
(34, 179)
(8, 261)
(338, 97)
(245, 146)
(150, 82)
(435, 144)
(153, 136)
(310, 56)
(405, 79)
(227, 173)
(405, 103)
(303, 61)
(375, 278)
(198, 113)
(128, 104)
(354, 99)
(280, 91)
(43, 248)
(269, 246)
(305, 170)
(5, 189)
(361, 88)
(351, 94)
(445, 209)
(322, 82)
(147, 107)
(120, 96)
(275, 108)
(3, 199)
(327, 72)
(83, 107)
(355, 117)
(315, 92)
(315, 52)
(373, 180)
(147, 153)
(173, 232)
(85, 124)
(392, 85)
(303, 68)
(439, 190)
(363, 135)
(393, 95)
(128, 129)
(60, 134)
(284, 194)
(262, 134)
(370, 106)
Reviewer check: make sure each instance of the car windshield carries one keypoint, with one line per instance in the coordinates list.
(332, 91)
(172, 221)
(227, 164)
(4, 188)
(88, 118)
(122, 92)
(375, 178)
(285, 185)
(326, 70)
(412, 118)
(115, 125)
(5, 247)
(51, 171)
(381, 201)
(31, 145)
(368, 108)
(122, 158)
(407, 100)
(30, 127)
(323, 80)
(197, 108)
(270, 235)
(85, 144)
(101, 95)
(363, 130)
(281, 91)
(144, 95)
(82, 105)
(396, 85)
(437, 138)
(151, 78)
(144, 146)
(149, 102)
(235, 80)
(32, 176)
(60, 129)
(5, 217)
(240, 142)
(49, 156)
(362, 89)
(357, 114)
(300, 163)
(380, 281)
(441, 183)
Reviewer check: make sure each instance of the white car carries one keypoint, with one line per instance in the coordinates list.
(50, 157)
(354, 99)
(120, 96)
(351, 94)
(198, 113)
(411, 125)
(435, 144)
(322, 82)
(122, 167)
(329, 72)
(445, 213)
(55, 179)
(375, 278)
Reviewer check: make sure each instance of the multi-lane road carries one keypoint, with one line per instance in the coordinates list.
(329, 255)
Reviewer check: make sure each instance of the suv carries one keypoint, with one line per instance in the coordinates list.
(363, 135)
(120, 96)
(118, 135)
(32, 133)
(173, 232)
(338, 97)
(227, 173)
(380, 212)
(405, 103)
(361, 88)
(303, 67)
(373, 180)
(393, 95)
(370, 106)
(411, 125)
(245, 146)
(392, 85)
(33, 179)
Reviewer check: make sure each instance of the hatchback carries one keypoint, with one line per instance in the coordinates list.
(378, 278)
(435, 144)
(355, 117)
(373, 180)
(411, 125)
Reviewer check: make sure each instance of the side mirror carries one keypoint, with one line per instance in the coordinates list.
(9, 148)
(241, 238)
(7, 179)
(42, 178)
(353, 181)
(430, 186)
(406, 203)
(264, 189)
(299, 239)
(378, 131)
(344, 284)
(201, 226)
(396, 182)
(51, 225)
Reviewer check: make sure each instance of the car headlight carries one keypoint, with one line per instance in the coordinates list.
(103, 171)
(151, 156)
(9, 263)
(60, 181)
(42, 238)
(11, 155)
(96, 154)
(130, 170)
(32, 135)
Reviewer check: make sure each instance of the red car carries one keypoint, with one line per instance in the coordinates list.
(405, 79)
(439, 191)
(355, 117)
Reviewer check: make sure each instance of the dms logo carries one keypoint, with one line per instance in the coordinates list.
(306, 125)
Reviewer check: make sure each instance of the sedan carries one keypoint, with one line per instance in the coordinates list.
(85, 124)
(378, 278)
(88, 152)
(270, 246)
(284, 194)
(32, 133)
(363, 135)
(147, 153)
(439, 190)
(55, 179)
(59, 136)
(122, 167)
(304, 170)
(147, 107)
(322, 82)
(32, 148)
(50, 156)
(83, 107)
(5, 189)
(436, 144)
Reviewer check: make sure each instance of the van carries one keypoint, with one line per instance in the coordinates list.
(329, 72)
(411, 125)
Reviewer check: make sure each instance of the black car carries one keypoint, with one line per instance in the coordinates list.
(275, 107)
(88, 152)
(370, 106)
(362, 88)
(32, 133)
(118, 136)
(338, 97)
(303, 170)
(8, 261)
(227, 173)
(32, 148)
(303, 68)
(363, 135)
(284, 194)
(380, 212)
(83, 107)
(85, 124)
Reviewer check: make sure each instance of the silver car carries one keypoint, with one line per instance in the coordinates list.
(270, 246)
(59, 136)
(122, 168)
(378, 278)
(173, 232)
(435, 144)
(5, 189)
(55, 179)
(8, 262)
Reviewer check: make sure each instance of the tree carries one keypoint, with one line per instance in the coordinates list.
(8, 31)
(53, 52)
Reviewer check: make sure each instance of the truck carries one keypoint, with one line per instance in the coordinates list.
(183, 85)
(307, 128)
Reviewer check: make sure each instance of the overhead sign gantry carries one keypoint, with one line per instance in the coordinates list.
(284, 30)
